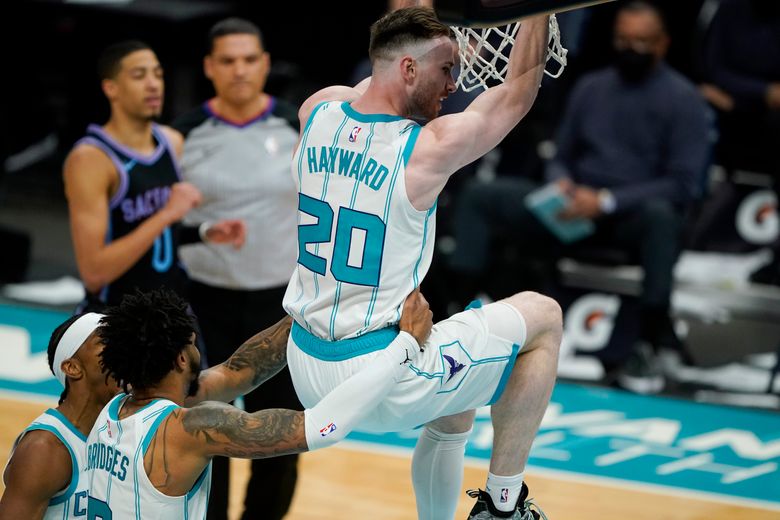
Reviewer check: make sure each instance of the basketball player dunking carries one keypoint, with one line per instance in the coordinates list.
(368, 180)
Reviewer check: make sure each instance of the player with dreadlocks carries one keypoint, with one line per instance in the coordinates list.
(148, 457)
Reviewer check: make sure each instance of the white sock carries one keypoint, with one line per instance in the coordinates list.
(437, 473)
(504, 490)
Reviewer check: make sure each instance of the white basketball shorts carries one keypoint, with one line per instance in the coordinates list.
(463, 367)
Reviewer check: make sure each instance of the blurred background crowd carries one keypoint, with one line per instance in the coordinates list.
(663, 135)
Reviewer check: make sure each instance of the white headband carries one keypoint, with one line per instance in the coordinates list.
(74, 337)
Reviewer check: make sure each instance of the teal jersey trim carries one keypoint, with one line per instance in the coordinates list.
(65, 422)
(156, 424)
(428, 214)
(311, 116)
(369, 118)
(206, 472)
(141, 451)
(510, 363)
(345, 348)
(113, 408)
(137, 500)
(410, 142)
(74, 474)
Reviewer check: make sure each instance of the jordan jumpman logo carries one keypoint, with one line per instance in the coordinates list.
(455, 366)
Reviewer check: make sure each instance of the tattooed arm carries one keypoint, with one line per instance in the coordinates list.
(260, 357)
(189, 437)
(192, 436)
(212, 428)
(222, 429)
(263, 355)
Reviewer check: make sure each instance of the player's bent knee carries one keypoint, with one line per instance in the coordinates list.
(542, 314)
(506, 321)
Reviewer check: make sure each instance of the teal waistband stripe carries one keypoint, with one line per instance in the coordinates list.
(343, 349)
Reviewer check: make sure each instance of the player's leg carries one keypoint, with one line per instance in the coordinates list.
(535, 322)
(437, 465)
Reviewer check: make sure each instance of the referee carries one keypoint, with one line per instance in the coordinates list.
(237, 152)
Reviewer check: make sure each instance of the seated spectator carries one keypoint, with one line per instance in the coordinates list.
(631, 151)
(743, 83)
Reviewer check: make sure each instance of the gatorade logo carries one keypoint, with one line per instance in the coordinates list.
(757, 221)
(590, 320)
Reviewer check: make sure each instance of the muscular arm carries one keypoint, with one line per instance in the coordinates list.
(265, 353)
(88, 175)
(450, 142)
(40, 467)
(192, 436)
(258, 359)
(222, 429)
(211, 428)
(334, 93)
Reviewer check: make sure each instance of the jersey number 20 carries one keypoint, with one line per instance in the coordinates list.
(367, 271)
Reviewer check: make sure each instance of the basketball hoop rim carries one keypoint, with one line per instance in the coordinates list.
(507, 17)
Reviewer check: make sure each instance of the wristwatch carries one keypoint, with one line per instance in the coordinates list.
(607, 203)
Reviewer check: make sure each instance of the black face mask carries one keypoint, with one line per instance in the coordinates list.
(634, 66)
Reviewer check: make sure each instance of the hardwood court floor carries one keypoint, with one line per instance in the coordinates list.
(349, 482)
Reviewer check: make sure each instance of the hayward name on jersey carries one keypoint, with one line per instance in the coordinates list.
(362, 247)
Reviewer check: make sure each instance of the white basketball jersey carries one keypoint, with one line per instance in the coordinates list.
(362, 247)
(119, 487)
(71, 502)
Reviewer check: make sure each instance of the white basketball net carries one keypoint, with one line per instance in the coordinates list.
(484, 53)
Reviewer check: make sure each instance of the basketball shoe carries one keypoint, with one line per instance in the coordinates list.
(485, 510)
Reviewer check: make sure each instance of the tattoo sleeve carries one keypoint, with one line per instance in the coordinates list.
(258, 359)
(264, 354)
(226, 430)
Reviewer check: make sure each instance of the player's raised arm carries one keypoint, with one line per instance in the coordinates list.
(453, 141)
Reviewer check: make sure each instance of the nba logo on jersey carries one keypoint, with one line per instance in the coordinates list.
(108, 429)
(504, 495)
(328, 429)
(354, 133)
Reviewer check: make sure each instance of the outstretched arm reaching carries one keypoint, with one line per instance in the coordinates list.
(221, 429)
(258, 359)
(196, 434)
(263, 355)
